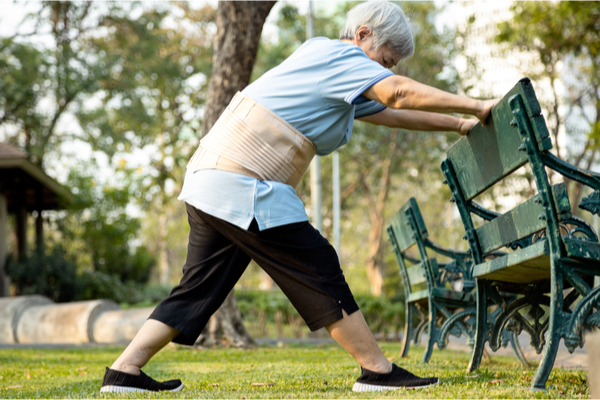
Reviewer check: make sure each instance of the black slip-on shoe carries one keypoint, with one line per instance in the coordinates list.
(119, 382)
(397, 378)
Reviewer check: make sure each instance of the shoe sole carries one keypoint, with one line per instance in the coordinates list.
(126, 389)
(365, 387)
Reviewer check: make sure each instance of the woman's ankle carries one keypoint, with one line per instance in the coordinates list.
(380, 367)
(127, 368)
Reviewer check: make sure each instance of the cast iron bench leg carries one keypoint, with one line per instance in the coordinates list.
(480, 333)
(553, 335)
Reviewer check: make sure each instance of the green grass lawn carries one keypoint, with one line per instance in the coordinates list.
(288, 371)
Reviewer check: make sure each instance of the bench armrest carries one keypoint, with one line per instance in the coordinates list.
(483, 212)
(587, 177)
(412, 259)
(584, 176)
(462, 262)
(446, 251)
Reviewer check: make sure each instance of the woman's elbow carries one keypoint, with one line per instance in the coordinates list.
(401, 95)
(398, 97)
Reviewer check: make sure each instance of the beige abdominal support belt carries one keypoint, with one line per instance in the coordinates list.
(251, 140)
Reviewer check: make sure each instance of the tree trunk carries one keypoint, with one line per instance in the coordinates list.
(375, 265)
(239, 26)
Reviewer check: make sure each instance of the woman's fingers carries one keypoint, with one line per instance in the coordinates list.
(486, 108)
(466, 125)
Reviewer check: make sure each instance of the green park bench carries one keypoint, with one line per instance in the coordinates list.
(439, 297)
(555, 255)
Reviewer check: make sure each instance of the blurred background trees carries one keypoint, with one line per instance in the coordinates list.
(110, 98)
(565, 38)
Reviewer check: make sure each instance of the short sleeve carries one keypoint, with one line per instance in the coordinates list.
(348, 74)
(365, 107)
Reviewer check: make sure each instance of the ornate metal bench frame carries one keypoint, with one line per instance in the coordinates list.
(553, 250)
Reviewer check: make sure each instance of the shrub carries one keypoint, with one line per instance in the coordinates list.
(96, 285)
(54, 276)
(383, 316)
(50, 275)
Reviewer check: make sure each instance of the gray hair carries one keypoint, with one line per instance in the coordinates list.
(388, 23)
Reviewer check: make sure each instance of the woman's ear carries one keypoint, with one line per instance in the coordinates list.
(363, 33)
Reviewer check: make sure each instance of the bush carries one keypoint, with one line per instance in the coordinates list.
(96, 285)
(382, 316)
(54, 276)
(49, 275)
(145, 295)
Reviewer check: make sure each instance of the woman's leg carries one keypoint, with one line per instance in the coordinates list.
(153, 336)
(306, 267)
(354, 335)
(212, 268)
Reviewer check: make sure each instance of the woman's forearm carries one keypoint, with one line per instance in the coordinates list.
(400, 92)
(420, 121)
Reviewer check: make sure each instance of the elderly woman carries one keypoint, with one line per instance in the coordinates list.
(240, 198)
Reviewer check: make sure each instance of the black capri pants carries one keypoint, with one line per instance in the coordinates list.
(296, 256)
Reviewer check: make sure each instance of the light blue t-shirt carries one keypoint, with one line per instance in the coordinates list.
(318, 90)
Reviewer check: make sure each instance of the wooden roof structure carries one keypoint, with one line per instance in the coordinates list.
(26, 185)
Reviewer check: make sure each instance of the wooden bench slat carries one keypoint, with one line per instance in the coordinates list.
(482, 158)
(402, 229)
(416, 274)
(534, 111)
(528, 265)
(402, 232)
(417, 296)
(520, 222)
(414, 206)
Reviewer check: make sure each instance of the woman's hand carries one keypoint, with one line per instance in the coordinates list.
(485, 109)
(465, 125)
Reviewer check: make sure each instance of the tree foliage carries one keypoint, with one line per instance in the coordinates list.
(565, 38)
(152, 97)
(97, 232)
(44, 83)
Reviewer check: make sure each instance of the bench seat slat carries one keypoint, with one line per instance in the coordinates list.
(528, 265)
(416, 274)
(520, 222)
(417, 296)
(532, 264)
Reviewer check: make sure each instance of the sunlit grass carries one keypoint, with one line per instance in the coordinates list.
(285, 371)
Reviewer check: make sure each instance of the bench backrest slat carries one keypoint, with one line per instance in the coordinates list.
(484, 157)
(405, 236)
(521, 221)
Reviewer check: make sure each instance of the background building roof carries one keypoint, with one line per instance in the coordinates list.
(25, 184)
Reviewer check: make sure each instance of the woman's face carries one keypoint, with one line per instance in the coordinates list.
(383, 55)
